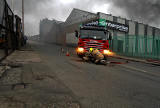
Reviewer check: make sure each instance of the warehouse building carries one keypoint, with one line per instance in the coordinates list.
(130, 37)
(49, 30)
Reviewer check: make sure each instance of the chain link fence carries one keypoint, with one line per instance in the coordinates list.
(136, 46)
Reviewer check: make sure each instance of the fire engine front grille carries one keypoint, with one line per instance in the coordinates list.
(89, 45)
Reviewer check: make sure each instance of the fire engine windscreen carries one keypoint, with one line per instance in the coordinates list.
(93, 34)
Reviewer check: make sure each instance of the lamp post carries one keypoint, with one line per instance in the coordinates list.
(12, 5)
(23, 17)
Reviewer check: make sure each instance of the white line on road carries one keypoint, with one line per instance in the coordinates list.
(133, 68)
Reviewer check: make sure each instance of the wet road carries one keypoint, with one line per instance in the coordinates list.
(129, 85)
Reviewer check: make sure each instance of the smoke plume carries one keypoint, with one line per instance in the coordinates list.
(146, 11)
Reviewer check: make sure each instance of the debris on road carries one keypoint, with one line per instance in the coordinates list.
(146, 61)
(114, 62)
(3, 69)
(12, 64)
(154, 61)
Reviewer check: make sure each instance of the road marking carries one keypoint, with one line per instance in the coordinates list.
(133, 68)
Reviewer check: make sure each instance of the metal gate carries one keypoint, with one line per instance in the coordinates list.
(8, 30)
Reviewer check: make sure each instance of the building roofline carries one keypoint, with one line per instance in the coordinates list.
(81, 11)
(84, 11)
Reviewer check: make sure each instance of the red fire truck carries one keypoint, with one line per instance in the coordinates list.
(93, 34)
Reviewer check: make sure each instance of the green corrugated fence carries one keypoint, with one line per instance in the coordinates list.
(136, 46)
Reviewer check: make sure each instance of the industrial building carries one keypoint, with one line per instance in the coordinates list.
(130, 38)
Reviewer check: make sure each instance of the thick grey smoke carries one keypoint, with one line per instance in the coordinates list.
(146, 11)
(35, 10)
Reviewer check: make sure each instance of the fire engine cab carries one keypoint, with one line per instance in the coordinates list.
(93, 34)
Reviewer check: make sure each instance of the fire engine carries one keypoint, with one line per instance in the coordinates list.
(93, 34)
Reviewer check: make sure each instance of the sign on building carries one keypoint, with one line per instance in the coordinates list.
(107, 24)
(117, 26)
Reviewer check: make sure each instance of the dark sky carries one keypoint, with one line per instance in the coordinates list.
(146, 11)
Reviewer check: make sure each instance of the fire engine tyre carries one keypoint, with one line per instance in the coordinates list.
(81, 56)
(105, 58)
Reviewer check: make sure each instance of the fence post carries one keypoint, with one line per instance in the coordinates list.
(126, 38)
(115, 42)
(136, 41)
(153, 42)
(146, 38)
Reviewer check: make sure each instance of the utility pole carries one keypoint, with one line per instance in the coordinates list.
(12, 5)
(23, 17)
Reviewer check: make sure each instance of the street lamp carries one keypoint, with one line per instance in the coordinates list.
(12, 5)
(23, 17)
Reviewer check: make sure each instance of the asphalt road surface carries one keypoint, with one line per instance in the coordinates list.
(117, 85)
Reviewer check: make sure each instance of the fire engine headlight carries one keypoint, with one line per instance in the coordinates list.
(80, 50)
(106, 52)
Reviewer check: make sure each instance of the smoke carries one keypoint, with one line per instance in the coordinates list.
(146, 11)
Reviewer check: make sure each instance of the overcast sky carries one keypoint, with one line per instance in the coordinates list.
(146, 11)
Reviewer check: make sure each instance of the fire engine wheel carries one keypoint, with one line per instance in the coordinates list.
(80, 56)
(106, 58)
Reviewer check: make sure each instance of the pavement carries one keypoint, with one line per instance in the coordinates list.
(147, 61)
(50, 76)
(27, 82)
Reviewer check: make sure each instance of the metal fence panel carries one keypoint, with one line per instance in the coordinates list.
(2, 5)
(7, 33)
(138, 46)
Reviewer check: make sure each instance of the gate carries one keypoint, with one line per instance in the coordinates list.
(8, 30)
